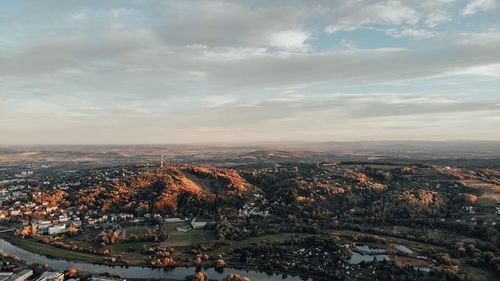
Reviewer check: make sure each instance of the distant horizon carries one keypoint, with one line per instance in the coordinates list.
(256, 143)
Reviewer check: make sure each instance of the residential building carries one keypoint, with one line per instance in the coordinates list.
(51, 276)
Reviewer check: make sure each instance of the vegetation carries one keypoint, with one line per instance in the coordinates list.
(309, 219)
(50, 251)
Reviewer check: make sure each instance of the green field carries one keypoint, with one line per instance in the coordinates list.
(193, 237)
(183, 239)
(171, 227)
(137, 230)
(279, 237)
(125, 246)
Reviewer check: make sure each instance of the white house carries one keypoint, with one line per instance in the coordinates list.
(198, 224)
(57, 229)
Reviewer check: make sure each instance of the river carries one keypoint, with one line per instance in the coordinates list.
(134, 271)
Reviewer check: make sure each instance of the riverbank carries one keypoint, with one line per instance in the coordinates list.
(51, 251)
(135, 272)
(54, 253)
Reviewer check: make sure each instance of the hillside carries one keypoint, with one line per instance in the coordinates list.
(173, 190)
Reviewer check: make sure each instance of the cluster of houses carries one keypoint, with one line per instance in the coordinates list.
(23, 208)
(258, 207)
(91, 219)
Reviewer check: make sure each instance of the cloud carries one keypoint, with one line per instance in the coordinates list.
(476, 38)
(142, 64)
(475, 6)
(348, 67)
(230, 24)
(410, 33)
(385, 13)
(175, 71)
(437, 18)
(434, 4)
(289, 40)
(343, 116)
(490, 70)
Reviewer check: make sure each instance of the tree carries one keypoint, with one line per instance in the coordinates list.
(73, 229)
(220, 263)
(27, 231)
(197, 261)
(72, 272)
(201, 276)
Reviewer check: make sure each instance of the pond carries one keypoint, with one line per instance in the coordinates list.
(365, 253)
(422, 268)
(404, 249)
(369, 250)
(134, 271)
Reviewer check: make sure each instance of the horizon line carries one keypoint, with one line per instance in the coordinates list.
(253, 143)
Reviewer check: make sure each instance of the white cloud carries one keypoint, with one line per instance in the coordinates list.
(289, 39)
(235, 67)
(437, 18)
(348, 67)
(490, 70)
(385, 13)
(232, 24)
(332, 28)
(476, 38)
(433, 4)
(410, 33)
(475, 6)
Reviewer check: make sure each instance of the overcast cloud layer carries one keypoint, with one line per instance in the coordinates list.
(244, 71)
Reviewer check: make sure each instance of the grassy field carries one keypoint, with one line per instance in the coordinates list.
(191, 238)
(136, 230)
(171, 227)
(253, 240)
(126, 246)
(133, 252)
(183, 239)
(47, 250)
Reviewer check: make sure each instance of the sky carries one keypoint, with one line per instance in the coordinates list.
(152, 72)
